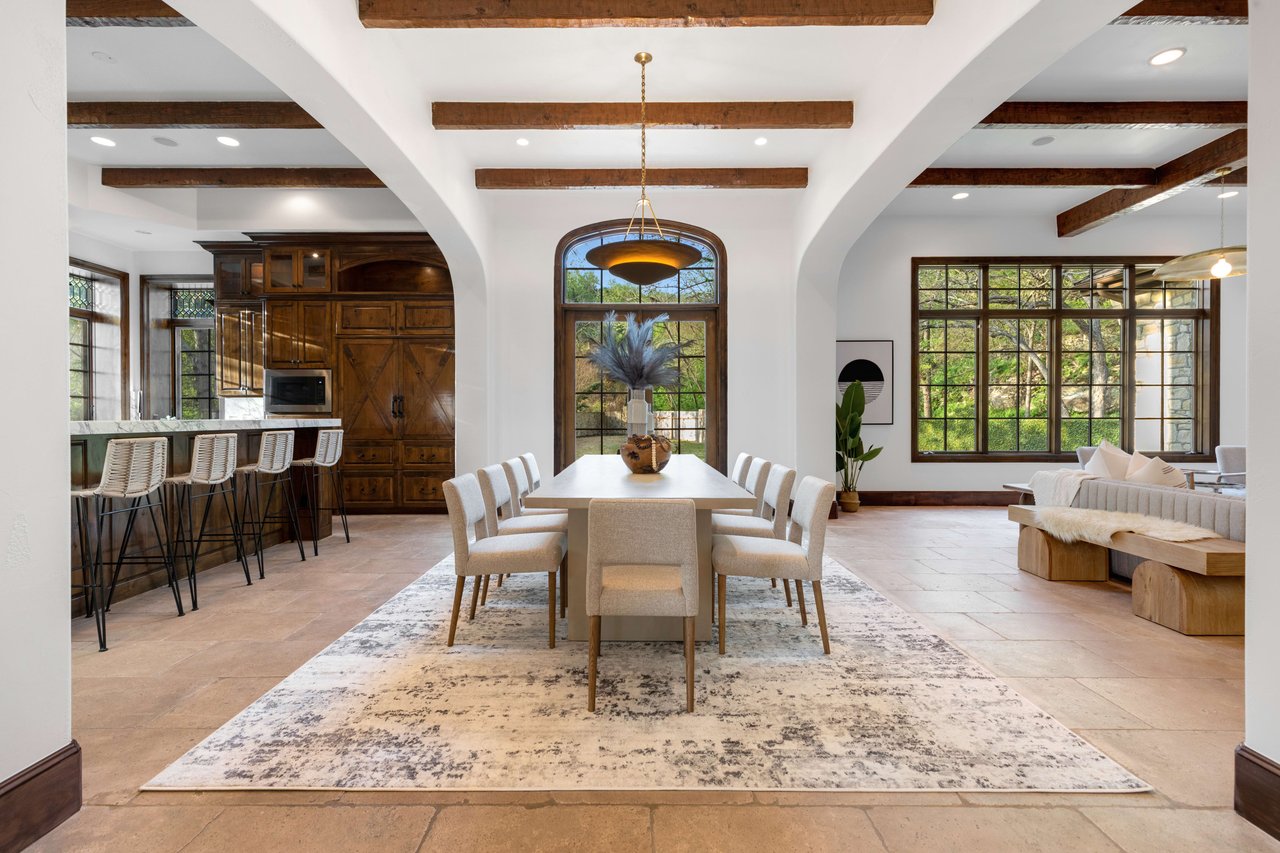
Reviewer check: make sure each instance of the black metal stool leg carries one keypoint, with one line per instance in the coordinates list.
(253, 500)
(96, 581)
(233, 512)
(195, 549)
(124, 545)
(313, 498)
(291, 504)
(340, 499)
(163, 535)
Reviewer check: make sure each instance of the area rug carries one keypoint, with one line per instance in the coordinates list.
(893, 708)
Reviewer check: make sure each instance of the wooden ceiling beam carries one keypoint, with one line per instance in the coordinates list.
(1127, 115)
(645, 13)
(123, 13)
(1034, 177)
(1190, 170)
(732, 115)
(211, 178)
(188, 114)
(1187, 12)
(711, 178)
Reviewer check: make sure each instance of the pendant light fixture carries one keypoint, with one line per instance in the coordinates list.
(644, 260)
(1223, 262)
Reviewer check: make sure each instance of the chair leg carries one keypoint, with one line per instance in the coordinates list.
(551, 609)
(124, 546)
(291, 504)
(786, 587)
(593, 655)
(484, 591)
(564, 587)
(457, 605)
(501, 575)
(720, 588)
(475, 598)
(804, 617)
(99, 580)
(199, 538)
(232, 508)
(822, 616)
(162, 536)
(774, 582)
(312, 483)
(340, 498)
(688, 662)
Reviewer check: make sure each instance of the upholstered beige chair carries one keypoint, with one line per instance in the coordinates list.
(773, 521)
(740, 466)
(501, 520)
(531, 469)
(757, 476)
(642, 560)
(477, 553)
(798, 558)
(520, 486)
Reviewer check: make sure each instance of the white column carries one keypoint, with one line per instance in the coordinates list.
(1262, 587)
(35, 629)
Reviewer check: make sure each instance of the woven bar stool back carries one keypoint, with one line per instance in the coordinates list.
(328, 448)
(213, 458)
(275, 454)
(133, 467)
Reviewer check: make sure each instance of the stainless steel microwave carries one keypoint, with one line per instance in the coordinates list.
(295, 391)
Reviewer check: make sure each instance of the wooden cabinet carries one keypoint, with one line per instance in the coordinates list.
(397, 404)
(297, 270)
(237, 276)
(240, 348)
(298, 333)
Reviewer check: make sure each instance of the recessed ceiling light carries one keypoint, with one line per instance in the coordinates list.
(522, 142)
(1164, 57)
(229, 141)
(1042, 140)
(165, 141)
(102, 56)
(140, 231)
(960, 196)
(760, 140)
(102, 140)
(1229, 194)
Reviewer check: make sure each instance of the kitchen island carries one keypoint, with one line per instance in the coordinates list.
(88, 450)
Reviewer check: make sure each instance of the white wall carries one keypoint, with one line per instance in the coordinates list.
(756, 228)
(1262, 593)
(35, 619)
(875, 304)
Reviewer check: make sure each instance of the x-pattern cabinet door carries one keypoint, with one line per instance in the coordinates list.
(367, 388)
(426, 388)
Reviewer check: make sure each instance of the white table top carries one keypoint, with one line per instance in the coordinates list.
(597, 476)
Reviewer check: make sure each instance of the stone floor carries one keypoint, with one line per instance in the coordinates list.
(1169, 707)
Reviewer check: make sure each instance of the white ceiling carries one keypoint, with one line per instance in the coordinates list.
(1049, 202)
(201, 148)
(1094, 147)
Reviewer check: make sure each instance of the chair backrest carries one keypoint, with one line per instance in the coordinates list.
(133, 467)
(1084, 454)
(777, 497)
(497, 495)
(531, 469)
(275, 453)
(328, 447)
(740, 465)
(1231, 463)
(642, 533)
(463, 499)
(213, 458)
(757, 476)
(809, 520)
(517, 482)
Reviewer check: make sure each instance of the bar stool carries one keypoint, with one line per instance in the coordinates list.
(328, 454)
(213, 465)
(273, 468)
(133, 471)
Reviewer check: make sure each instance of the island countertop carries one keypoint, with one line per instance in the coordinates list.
(174, 425)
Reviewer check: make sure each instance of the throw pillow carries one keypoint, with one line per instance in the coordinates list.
(1136, 463)
(1108, 462)
(1157, 472)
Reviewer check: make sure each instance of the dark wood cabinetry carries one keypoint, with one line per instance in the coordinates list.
(377, 309)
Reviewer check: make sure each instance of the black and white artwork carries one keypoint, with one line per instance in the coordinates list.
(872, 363)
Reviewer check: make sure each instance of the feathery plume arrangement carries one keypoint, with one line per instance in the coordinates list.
(631, 356)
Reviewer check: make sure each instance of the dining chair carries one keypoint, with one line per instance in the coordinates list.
(797, 558)
(773, 521)
(520, 486)
(531, 468)
(642, 560)
(757, 476)
(478, 553)
(500, 520)
(740, 466)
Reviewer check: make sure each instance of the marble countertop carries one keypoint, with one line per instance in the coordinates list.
(164, 427)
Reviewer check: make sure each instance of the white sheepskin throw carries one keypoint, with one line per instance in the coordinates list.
(1069, 524)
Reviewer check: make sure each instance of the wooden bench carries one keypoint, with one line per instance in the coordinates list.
(1192, 587)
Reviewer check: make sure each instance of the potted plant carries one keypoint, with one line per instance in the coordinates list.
(850, 455)
(631, 357)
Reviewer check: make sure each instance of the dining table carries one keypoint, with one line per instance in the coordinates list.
(685, 477)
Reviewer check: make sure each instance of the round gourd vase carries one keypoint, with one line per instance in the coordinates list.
(646, 454)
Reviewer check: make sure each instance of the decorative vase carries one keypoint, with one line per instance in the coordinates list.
(646, 454)
(639, 414)
(849, 501)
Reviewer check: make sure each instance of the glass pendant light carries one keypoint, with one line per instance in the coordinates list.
(636, 259)
(1223, 262)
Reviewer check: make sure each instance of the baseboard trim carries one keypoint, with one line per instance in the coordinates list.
(938, 498)
(1257, 797)
(35, 800)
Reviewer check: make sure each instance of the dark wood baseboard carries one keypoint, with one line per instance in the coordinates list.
(35, 800)
(998, 498)
(1258, 789)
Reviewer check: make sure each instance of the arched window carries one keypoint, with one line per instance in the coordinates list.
(590, 410)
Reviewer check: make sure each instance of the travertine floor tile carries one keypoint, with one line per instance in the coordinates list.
(1041, 658)
(1169, 831)
(1075, 705)
(946, 830)
(1177, 703)
(352, 829)
(617, 829)
(107, 829)
(695, 829)
(1190, 768)
(213, 704)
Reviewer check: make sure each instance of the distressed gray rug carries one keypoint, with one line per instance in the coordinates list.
(893, 708)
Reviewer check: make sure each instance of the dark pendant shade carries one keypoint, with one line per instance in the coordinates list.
(644, 261)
